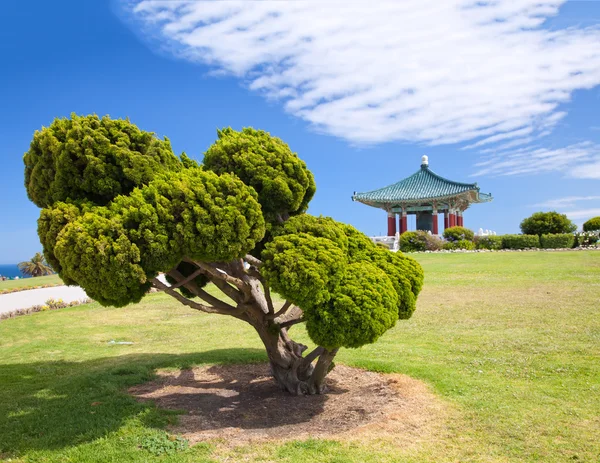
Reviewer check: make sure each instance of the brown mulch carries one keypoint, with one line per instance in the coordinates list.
(242, 404)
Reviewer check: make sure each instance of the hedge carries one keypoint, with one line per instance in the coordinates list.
(460, 244)
(557, 241)
(491, 242)
(520, 241)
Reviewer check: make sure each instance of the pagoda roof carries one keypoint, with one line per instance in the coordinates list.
(422, 186)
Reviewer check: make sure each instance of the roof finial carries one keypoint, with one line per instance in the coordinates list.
(424, 161)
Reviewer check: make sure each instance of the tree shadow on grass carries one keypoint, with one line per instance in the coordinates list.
(52, 405)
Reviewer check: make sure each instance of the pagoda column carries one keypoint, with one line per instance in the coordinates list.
(460, 221)
(391, 224)
(403, 222)
(435, 222)
(446, 220)
(452, 219)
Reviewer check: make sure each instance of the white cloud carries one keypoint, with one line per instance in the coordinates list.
(419, 71)
(583, 214)
(580, 160)
(568, 201)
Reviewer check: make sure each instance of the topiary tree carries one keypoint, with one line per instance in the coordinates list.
(544, 223)
(592, 224)
(118, 208)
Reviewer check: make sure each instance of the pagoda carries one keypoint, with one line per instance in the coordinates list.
(426, 195)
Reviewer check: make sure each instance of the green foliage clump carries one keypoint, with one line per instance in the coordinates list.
(95, 252)
(557, 241)
(91, 159)
(359, 244)
(283, 183)
(460, 244)
(520, 241)
(363, 307)
(405, 274)
(592, 224)
(491, 242)
(545, 223)
(458, 233)
(321, 227)
(303, 268)
(162, 443)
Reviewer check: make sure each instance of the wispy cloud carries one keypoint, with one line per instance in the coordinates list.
(584, 214)
(421, 71)
(568, 201)
(580, 160)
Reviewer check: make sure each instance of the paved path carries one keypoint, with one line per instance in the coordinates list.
(25, 299)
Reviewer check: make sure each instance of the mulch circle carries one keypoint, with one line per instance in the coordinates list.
(243, 404)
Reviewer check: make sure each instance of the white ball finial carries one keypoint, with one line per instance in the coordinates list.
(424, 161)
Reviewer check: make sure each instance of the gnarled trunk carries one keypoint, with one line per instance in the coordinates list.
(293, 371)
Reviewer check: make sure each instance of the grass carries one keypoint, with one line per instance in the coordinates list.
(29, 282)
(511, 341)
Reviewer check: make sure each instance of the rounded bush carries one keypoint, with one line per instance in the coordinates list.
(359, 244)
(587, 238)
(362, 307)
(92, 159)
(545, 223)
(458, 233)
(413, 241)
(592, 224)
(283, 183)
(303, 268)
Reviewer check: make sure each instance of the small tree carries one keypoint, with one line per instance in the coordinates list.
(36, 266)
(592, 224)
(544, 223)
(119, 207)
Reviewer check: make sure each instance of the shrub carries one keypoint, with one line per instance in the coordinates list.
(557, 241)
(545, 223)
(586, 238)
(491, 242)
(458, 233)
(460, 244)
(592, 224)
(520, 241)
(413, 241)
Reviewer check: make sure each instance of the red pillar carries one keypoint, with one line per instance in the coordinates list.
(435, 223)
(460, 220)
(403, 223)
(446, 220)
(391, 224)
(452, 220)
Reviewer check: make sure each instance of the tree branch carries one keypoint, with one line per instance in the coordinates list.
(253, 260)
(194, 288)
(281, 311)
(306, 361)
(192, 304)
(216, 273)
(292, 322)
(186, 279)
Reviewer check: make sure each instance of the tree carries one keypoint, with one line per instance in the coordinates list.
(36, 267)
(592, 224)
(118, 208)
(545, 223)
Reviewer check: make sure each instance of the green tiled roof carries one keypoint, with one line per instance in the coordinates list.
(421, 185)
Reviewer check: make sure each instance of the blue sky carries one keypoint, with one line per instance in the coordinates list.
(505, 94)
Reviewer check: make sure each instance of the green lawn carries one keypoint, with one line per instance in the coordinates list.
(28, 282)
(509, 341)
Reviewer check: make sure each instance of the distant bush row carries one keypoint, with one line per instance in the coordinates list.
(462, 238)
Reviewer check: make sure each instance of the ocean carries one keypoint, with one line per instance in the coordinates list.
(10, 271)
